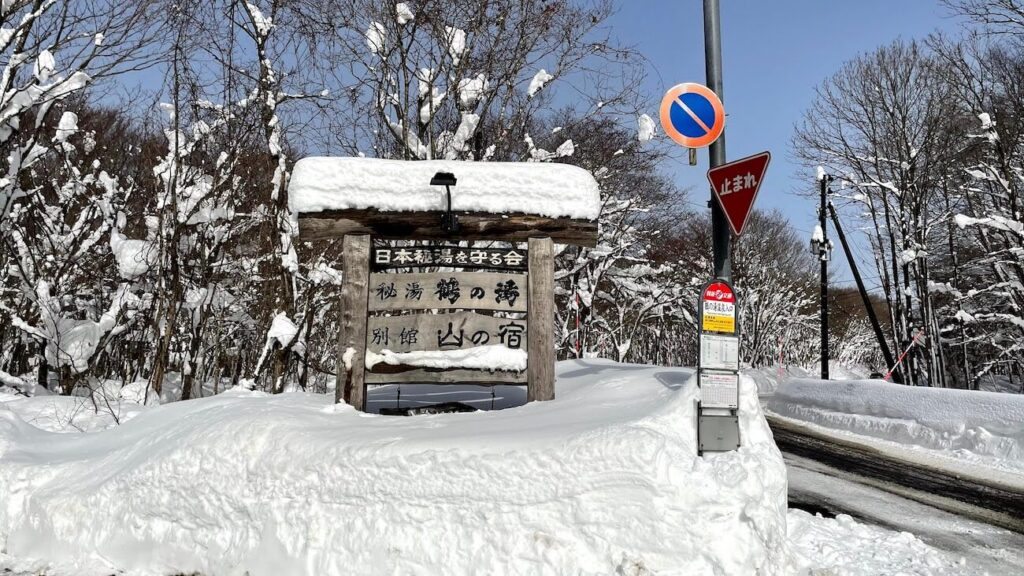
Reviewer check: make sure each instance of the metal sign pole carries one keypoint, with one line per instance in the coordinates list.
(823, 256)
(717, 422)
(720, 234)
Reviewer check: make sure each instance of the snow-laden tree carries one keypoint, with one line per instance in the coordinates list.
(56, 211)
(776, 282)
(466, 80)
(230, 275)
(615, 299)
(927, 145)
(858, 347)
(884, 126)
(170, 259)
(70, 305)
(985, 285)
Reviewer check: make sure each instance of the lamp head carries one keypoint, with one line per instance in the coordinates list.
(443, 179)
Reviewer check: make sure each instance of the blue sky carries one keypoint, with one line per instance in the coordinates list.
(774, 54)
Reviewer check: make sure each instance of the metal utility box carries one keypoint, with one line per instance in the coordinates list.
(718, 433)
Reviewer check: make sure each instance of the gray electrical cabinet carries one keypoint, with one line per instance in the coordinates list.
(718, 433)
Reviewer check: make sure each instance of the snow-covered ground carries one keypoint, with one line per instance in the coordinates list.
(841, 546)
(969, 433)
(768, 378)
(974, 432)
(817, 546)
(604, 479)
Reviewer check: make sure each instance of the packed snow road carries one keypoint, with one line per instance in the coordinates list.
(821, 489)
(990, 502)
(981, 523)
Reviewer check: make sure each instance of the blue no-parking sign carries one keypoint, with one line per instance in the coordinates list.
(692, 115)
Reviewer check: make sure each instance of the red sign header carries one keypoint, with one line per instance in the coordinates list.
(719, 292)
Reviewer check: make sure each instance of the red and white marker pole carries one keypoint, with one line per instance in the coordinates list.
(904, 355)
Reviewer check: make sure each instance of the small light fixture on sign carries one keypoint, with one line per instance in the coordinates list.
(449, 221)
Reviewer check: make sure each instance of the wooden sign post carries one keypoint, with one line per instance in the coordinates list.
(446, 313)
(390, 315)
(541, 379)
(351, 347)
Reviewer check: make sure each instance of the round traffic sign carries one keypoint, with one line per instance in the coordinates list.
(692, 115)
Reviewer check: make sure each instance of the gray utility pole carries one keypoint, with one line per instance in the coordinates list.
(823, 250)
(721, 238)
(882, 343)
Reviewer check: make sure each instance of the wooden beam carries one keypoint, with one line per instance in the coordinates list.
(351, 386)
(540, 340)
(427, 226)
(388, 374)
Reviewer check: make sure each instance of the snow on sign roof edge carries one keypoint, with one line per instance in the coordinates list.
(340, 183)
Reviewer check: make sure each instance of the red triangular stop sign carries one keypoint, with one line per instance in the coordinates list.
(736, 184)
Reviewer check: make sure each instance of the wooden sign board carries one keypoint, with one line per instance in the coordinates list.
(437, 311)
(450, 293)
(438, 290)
(454, 331)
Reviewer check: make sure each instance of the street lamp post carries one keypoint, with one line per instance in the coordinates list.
(449, 221)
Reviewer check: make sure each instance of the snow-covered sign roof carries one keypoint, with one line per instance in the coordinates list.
(542, 189)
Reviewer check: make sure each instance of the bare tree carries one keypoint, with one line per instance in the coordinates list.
(883, 123)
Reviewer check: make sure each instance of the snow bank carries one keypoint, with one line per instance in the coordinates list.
(841, 545)
(767, 378)
(976, 423)
(554, 190)
(602, 480)
(69, 414)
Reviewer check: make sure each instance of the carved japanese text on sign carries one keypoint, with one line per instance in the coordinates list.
(505, 258)
(418, 332)
(719, 308)
(430, 290)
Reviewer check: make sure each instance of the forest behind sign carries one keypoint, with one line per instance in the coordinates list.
(735, 185)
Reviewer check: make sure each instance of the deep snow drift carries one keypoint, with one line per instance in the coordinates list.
(604, 479)
(980, 428)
